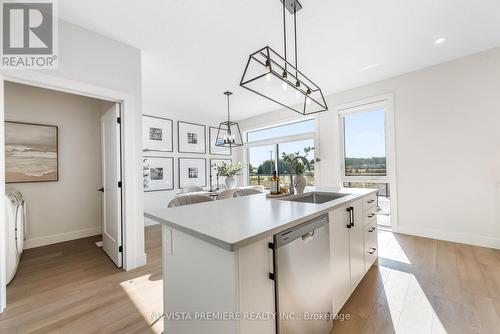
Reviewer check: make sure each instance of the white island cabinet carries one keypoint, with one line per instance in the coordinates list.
(218, 260)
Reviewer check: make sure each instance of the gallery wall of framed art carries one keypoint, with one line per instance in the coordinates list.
(180, 155)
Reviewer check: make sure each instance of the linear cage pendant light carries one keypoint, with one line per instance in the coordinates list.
(229, 134)
(272, 76)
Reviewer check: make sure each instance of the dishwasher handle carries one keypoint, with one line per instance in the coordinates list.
(308, 236)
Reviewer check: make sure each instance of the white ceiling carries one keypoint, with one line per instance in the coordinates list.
(195, 50)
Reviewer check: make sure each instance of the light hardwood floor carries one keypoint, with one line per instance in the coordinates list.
(421, 286)
(73, 287)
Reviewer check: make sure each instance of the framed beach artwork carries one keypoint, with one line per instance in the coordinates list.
(31, 152)
(217, 150)
(191, 138)
(158, 173)
(192, 172)
(157, 133)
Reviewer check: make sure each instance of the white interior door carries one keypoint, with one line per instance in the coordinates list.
(111, 184)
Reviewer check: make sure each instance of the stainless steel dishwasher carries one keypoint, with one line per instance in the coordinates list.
(303, 278)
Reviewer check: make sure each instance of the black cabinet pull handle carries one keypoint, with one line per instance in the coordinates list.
(371, 201)
(372, 250)
(350, 217)
(371, 215)
(101, 190)
(371, 229)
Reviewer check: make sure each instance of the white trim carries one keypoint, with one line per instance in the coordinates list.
(133, 220)
(387, 102)
(463, 238)
(61, 237)
(3, 242)
(280, 140)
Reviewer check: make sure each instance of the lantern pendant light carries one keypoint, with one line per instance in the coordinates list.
(272, 76)
(229, 134)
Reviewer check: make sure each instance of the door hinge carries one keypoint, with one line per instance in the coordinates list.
(120, 249)
(119, 184)
(119, 120)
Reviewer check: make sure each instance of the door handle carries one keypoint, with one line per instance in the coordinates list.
(372, 250)
(371, 229)
(371, 201)
(101, 190)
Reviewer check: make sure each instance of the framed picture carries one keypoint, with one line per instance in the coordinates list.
(158, 173)
(31, 152)
(191, 138)
(157, 133)
(217, 150)
(192, 172)
(214, 163)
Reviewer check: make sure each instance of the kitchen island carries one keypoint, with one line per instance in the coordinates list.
(219, 258)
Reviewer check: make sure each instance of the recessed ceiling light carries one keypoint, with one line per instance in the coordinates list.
(440, 40)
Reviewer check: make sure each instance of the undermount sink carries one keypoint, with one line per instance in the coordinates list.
(314, 197)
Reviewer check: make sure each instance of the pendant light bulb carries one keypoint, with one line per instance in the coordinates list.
(268, 77)
(284, 85)
(297, 94)
(308, 100)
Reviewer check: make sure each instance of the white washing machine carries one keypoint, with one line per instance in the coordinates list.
(15, 212)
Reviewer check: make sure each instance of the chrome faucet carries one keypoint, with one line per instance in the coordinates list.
(291, 190)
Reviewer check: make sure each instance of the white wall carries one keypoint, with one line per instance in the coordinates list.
(447, 147)
(101, 67)
(71, 207)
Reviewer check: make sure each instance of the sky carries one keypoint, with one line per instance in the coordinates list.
(365, 137)
(365, 134)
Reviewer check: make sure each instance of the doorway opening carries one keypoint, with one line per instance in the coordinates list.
(63, 154)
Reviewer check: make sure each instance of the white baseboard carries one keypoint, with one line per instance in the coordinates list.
(462, 238)
(61, 237)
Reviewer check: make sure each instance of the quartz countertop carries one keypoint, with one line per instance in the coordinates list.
(237, 222)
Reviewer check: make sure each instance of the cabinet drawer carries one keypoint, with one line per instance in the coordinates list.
(371, 244)
(370, 215)
(369, 202)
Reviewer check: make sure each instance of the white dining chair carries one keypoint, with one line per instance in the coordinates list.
(246, 192)
(189, 199)
(226, 194)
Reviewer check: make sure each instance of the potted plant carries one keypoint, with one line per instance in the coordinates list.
(298, 167)
(229, 171)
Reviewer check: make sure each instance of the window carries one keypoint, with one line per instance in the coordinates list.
(281, 131)
(367, 137)
(275, 147)
(364, 144)
(261, 163)
(288, 151)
